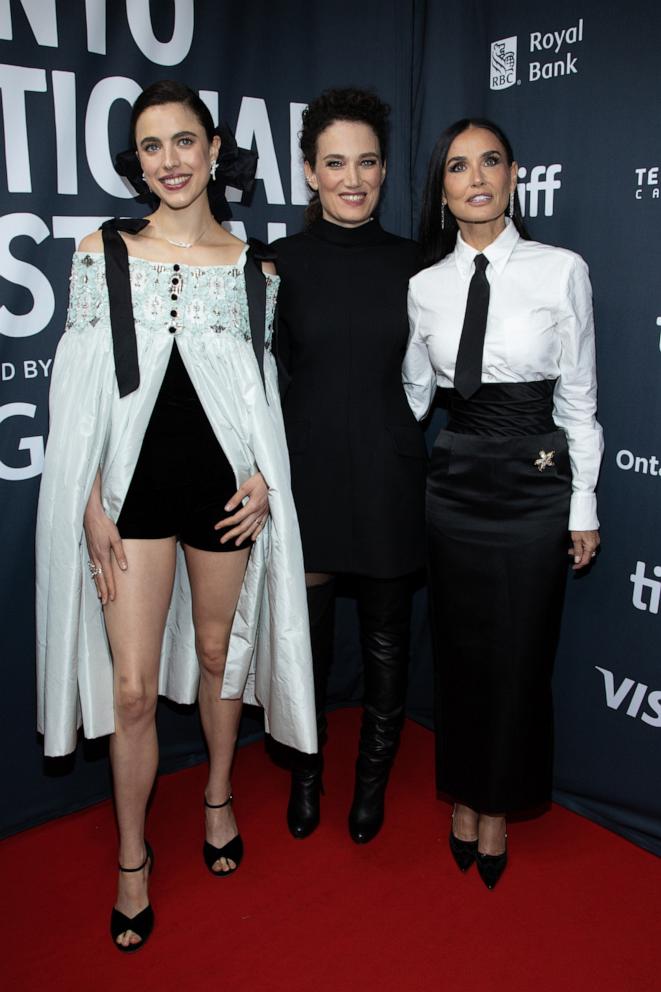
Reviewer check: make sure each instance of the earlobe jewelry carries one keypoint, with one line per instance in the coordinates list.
(212, 169)
(144, 179)
(442, 215)
(512, 203)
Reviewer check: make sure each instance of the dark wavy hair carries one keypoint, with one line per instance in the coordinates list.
(438, 241)
(350, 104)
(170, 91)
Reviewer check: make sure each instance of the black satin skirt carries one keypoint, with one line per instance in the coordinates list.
(497, 515)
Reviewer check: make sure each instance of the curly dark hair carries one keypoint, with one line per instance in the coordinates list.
(350, 104)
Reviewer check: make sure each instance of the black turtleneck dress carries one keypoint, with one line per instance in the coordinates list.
(358, 456)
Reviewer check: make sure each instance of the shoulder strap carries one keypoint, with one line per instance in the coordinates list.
(122, 324)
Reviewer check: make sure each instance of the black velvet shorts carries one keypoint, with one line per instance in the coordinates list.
(182, 479)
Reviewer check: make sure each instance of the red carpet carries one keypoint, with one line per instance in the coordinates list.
(577, 909)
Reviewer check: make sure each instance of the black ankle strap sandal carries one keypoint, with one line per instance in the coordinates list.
(232, 850)
(142, 923)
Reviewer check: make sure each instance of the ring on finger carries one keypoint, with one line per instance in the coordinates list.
(94, 569)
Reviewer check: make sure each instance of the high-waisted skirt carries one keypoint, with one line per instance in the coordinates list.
(497, 515)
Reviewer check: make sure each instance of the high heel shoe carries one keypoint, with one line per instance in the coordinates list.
(142, 923)
(464, 852)
(232, 850)
(491, 866)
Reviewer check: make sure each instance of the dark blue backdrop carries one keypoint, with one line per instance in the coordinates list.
(583, 117)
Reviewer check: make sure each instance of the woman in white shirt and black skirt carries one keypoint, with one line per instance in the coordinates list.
(505, 325)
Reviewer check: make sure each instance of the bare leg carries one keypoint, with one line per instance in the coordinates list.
(464, 822)
(135, 621)
(216, 580)
(492, 834)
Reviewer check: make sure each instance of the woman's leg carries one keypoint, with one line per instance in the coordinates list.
(492, 834)
(303, 809)
(216, 579)
(320, 588)
(384, 609)
(465, 823)
(135, 621)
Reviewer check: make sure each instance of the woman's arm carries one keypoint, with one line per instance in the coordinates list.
(253, 499)
(575, 406)
(103, 544)
(418, 374)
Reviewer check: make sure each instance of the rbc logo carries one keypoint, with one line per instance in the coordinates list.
(503, 64)
(641, 583)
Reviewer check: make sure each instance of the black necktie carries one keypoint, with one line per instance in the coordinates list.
(468, 372)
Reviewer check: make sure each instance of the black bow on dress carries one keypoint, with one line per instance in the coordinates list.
(122, 323)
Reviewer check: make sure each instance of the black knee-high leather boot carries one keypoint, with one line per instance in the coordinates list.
(385, 615)
(306, 776)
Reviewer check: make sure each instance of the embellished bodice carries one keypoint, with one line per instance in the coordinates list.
(170, 298)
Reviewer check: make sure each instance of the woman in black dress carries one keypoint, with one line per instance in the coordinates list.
(358, 456)
(505, 325)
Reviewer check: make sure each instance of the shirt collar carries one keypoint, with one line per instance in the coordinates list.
(498, 252)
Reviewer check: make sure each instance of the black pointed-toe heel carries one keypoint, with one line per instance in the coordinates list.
(490, 867)
(142, 923)
(464, 852)
(233, 849)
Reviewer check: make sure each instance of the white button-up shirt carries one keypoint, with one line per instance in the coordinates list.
(540, 326)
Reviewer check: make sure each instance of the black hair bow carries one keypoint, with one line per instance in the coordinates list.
(235, 167)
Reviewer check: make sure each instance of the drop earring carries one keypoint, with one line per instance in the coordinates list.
(442, 215)
(512, 203)
(212, 169)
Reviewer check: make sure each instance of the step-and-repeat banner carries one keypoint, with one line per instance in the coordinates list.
(574, 89)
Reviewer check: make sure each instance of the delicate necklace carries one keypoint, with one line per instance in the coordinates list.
(185, 244)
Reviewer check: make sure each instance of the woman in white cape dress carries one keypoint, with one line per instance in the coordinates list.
(155, 615)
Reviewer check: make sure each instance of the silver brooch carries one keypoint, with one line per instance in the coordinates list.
(545, 459)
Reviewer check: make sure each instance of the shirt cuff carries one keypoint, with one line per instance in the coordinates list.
(583, 512)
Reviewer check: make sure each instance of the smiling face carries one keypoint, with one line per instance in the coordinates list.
(348, 173)
(477, 181)
(175, 153)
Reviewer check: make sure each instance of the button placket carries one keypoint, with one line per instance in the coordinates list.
(175, 292)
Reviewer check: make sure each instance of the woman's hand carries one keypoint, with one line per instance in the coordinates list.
(250, 519)
(103, 543)
(584, 547)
